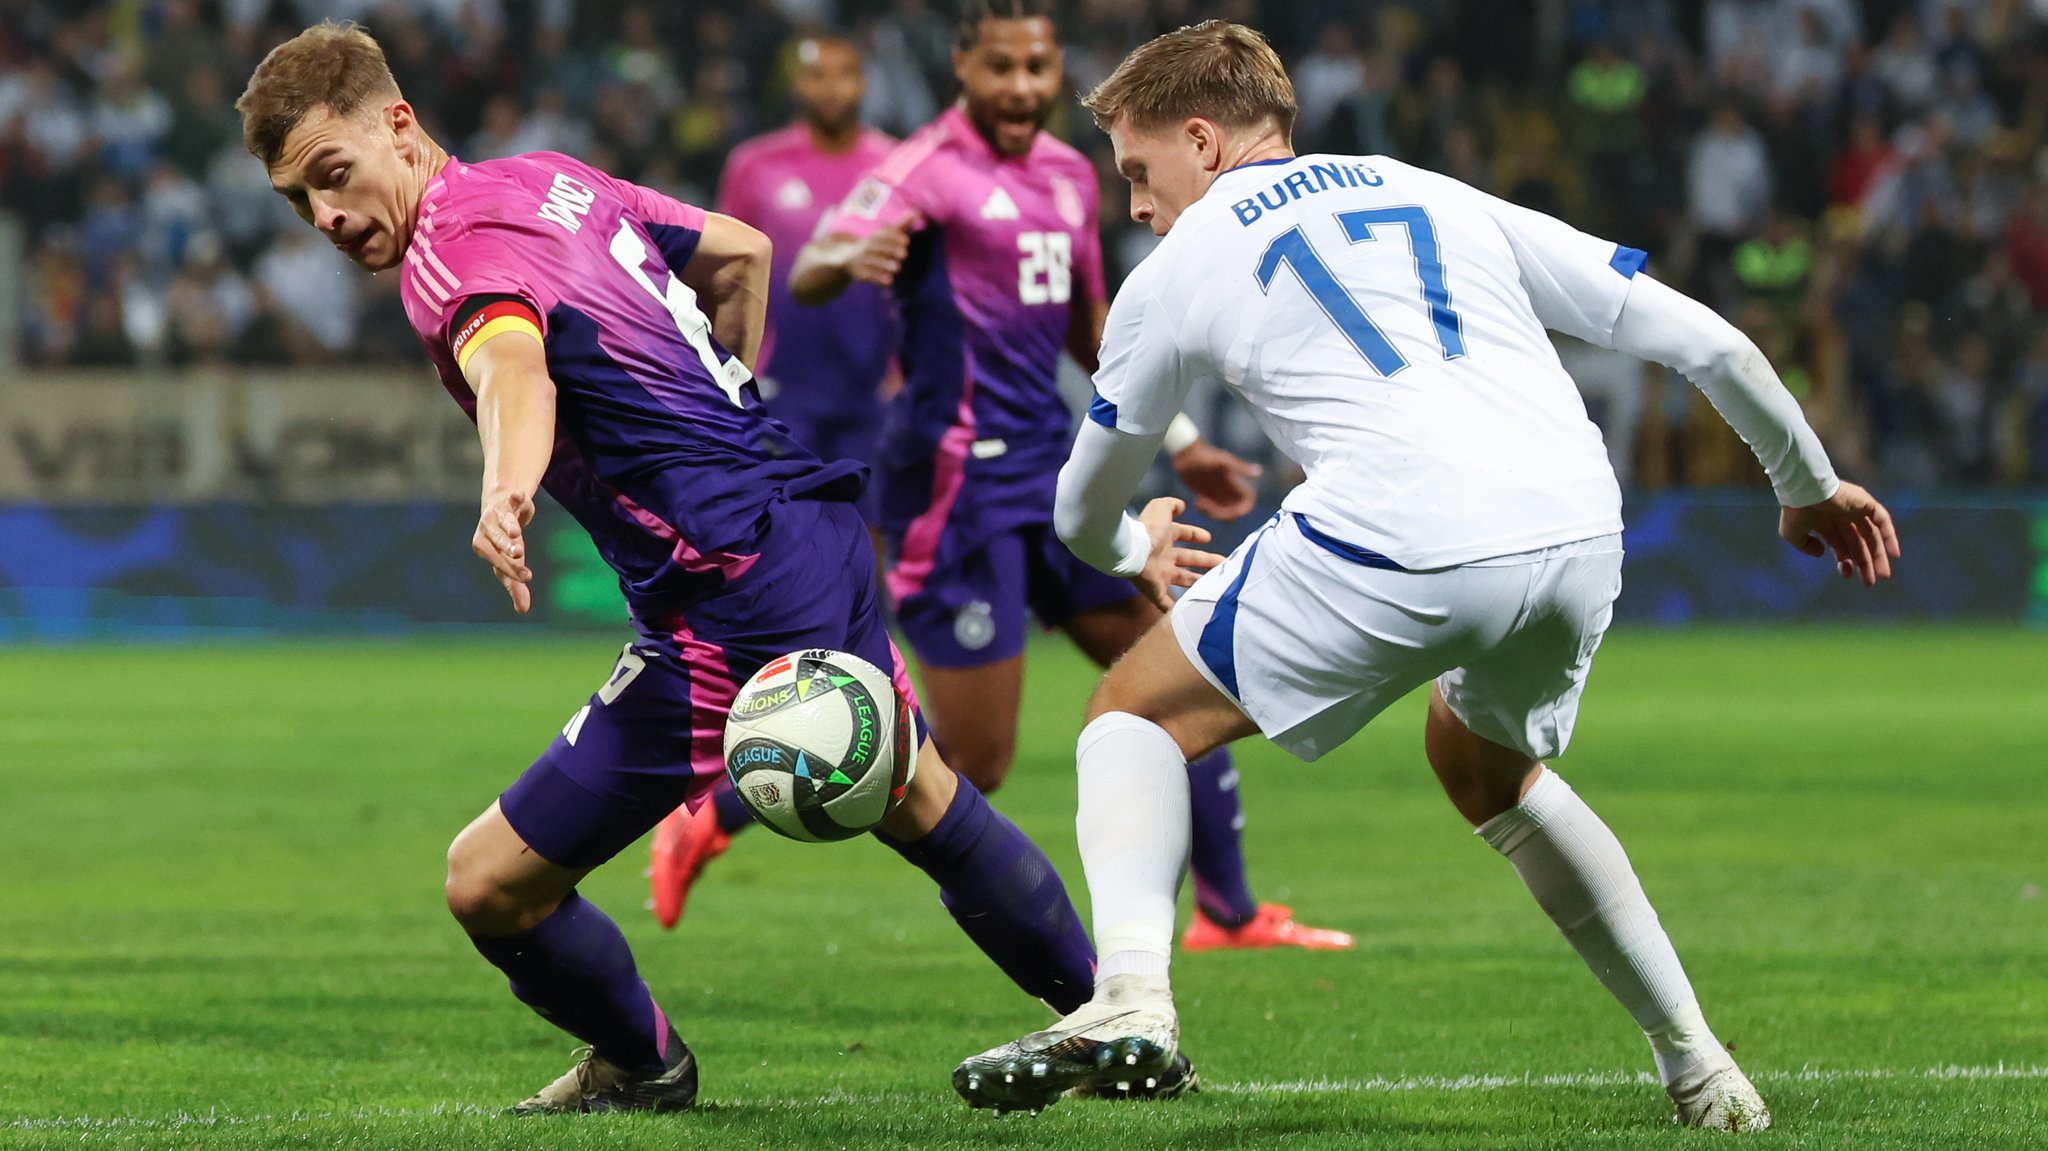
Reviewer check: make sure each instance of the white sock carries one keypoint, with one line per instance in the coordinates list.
(1577, 871)
(1133, 825)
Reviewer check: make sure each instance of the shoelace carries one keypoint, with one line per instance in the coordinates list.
(586, 1071)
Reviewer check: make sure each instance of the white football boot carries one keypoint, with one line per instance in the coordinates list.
(1719, 1097)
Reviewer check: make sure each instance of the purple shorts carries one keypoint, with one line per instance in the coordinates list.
(653, 736)
(965, 606)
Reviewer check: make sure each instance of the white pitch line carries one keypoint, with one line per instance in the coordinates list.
(1375, 1085)
(1606, 1079)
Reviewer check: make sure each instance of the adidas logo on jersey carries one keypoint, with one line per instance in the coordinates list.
(793, 196)
(999, 206)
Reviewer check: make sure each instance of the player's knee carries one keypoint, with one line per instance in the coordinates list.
(1481, 779)
(1113, 694)
(1477, 797)
(983, 763)
(1121, 691)
(481, 904)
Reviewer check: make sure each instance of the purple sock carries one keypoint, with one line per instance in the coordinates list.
(1216, 854)
(1005, 895)
(577, 972)
(732, 810)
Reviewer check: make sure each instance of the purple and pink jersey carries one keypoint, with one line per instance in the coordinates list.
(820, 366)
(666, 455)
(1005, 251)
(664, 451)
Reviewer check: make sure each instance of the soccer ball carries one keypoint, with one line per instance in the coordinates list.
(819, 745)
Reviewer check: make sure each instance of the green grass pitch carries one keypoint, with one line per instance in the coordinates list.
(222, 924)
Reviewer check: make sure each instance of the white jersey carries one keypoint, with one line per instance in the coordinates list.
(1386, 324)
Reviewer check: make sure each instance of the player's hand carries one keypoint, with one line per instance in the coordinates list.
(1171, 565)
(500, 541)
(1854, 524)
(1219, 479)
(879, 255)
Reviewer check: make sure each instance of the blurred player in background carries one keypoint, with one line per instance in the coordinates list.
(985, 226)
(599, 335)
(822, 368)
(1460, 527)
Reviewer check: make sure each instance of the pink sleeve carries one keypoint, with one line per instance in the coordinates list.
(485, 258)
(901, 185)
(675, 227)
(654, 208)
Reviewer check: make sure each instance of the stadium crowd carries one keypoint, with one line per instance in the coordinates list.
(1862, 186)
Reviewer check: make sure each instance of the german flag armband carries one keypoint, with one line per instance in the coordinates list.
(479, 318)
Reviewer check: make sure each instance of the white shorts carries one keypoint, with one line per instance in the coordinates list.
(1313, 644)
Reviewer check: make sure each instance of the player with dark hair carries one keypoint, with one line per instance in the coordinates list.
(985, 228)
(600, 335)
(821, 369)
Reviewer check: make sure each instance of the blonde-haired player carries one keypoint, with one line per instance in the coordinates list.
(1459, 527)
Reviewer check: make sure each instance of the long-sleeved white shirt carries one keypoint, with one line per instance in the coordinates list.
(1387, 327)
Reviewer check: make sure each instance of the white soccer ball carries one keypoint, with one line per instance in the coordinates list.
(820, 746)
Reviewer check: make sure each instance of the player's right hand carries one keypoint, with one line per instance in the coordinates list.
(880, 254)
(500, 541)
(1854, 524)
(1171, 565)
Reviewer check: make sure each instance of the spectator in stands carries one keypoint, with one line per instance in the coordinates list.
(103, 337)
(1604, 94)
(2026, 244)
(1775, 267)
(1728, 188)
(110, 229)
(1856, 166)
(54, 299)
(1334, 71)
(1909, 143)
(1905, 65)
(207, 305)
(504, 132)
(314, 293)
(203, 122)
(2024, 425)
(1963, 400)
(1809, 63)
(129, 120)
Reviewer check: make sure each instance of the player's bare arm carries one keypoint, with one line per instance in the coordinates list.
(729, 273)
(1221, 480)
(833, 262)
(515, 420)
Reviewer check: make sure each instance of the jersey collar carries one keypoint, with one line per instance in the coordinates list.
(1259, 164)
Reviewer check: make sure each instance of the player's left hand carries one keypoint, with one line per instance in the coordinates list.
(1219, 479)
(1171, 565)
(1854, 525)
(500, 540)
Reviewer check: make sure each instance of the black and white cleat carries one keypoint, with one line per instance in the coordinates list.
(1179, 1078)
(1120, 1044)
